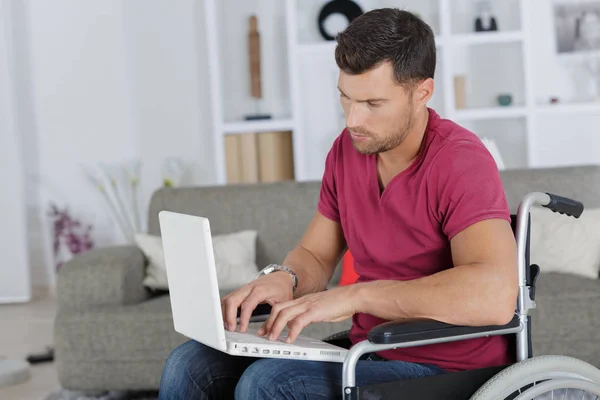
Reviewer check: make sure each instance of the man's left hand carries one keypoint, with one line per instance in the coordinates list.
(329, 306)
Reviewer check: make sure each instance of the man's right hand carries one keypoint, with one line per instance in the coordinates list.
(274, 288)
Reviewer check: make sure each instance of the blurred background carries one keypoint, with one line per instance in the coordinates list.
(102, 102)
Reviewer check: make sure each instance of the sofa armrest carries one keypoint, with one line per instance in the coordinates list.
(396, 332)
(105, 276)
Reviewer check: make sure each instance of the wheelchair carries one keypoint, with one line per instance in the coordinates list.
(542, 377)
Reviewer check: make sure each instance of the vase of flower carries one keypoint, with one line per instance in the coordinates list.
(70, 235)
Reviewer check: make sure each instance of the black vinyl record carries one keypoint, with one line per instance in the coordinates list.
(346, 8)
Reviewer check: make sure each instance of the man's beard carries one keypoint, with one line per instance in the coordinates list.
(375, 145)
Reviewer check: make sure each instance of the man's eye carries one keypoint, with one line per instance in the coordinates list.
(372, 104)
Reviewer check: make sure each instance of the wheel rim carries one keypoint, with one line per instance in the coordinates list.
(509, 392)
(548, 387)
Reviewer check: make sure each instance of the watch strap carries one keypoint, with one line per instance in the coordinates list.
(276, 267)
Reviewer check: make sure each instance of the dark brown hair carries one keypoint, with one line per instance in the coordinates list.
(388, 34)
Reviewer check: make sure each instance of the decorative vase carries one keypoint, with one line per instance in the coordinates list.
(504, 99)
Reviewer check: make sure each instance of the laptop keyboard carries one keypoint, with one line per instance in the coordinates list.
(251, 337)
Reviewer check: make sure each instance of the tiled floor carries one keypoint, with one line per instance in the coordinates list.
(25, 329)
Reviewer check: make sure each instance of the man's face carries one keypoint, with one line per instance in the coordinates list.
(379, 112)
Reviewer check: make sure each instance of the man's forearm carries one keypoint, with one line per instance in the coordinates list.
(313, 274)
(465, 295)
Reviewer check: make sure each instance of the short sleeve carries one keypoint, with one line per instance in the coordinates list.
(467, 187)
(328, 197)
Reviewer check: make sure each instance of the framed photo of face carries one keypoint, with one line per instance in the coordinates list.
(577, 26)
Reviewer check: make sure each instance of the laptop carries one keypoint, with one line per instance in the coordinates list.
(196, 303)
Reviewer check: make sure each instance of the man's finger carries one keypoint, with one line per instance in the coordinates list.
(247, 307)
(297, 324)
(275, 310)
(266, 326)
(284, 317)
(230, 306)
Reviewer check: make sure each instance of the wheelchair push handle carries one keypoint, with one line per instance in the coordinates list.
(564, 205)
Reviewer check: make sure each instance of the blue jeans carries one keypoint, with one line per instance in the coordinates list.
(195, 371)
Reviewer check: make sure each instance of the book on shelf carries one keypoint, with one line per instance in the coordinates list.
(259, 157)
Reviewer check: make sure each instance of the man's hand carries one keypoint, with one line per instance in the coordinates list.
(328, 306)
(273, 289)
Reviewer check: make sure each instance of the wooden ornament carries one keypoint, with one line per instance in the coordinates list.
(254, 50)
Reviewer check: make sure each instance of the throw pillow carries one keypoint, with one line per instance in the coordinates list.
(235, 259)
(565, 244)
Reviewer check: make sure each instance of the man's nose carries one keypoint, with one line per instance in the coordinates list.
(354, 116)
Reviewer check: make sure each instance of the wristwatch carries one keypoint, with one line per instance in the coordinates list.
(276, 267)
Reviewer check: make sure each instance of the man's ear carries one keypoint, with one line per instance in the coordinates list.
(423, 91)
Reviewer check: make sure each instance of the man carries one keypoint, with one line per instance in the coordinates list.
(419, 202)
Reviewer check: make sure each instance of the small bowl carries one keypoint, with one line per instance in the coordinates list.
(504, 99)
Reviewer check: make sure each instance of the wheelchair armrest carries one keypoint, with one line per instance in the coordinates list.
(403, 332)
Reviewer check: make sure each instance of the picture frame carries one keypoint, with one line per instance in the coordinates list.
(577, 27)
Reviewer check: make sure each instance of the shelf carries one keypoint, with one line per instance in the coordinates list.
(265, 125)
(328, 47)
(570, 108)
(487, 37)
(491, 113)
(507, 13)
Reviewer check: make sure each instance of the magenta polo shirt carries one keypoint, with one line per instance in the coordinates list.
(405, 232)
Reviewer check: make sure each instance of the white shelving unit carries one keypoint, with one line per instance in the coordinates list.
(493, 62)
(566, 109)
(224, 102)
(258, 126)
(457, 44)
(490, 113)
(486, 37)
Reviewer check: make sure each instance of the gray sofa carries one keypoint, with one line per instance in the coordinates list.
(112, 333)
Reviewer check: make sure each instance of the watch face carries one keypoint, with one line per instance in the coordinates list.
(269, 269)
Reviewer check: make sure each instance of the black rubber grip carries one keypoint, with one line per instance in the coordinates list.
(563, 205)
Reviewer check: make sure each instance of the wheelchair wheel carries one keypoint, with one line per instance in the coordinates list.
(543, 377)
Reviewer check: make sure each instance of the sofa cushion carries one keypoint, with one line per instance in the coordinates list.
(135, 333)
(567, 317)
(564, 244)
(235, 259)
(280, 212)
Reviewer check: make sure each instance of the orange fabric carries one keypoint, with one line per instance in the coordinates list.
(348, 276)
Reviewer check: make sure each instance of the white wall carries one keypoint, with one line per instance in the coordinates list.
(106, 82)
(168, 83)
(109, 81)
(81, 101)
(74, 110)
(14, 273)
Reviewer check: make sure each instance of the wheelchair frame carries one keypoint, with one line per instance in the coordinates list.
(392, 335)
